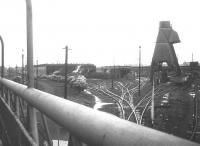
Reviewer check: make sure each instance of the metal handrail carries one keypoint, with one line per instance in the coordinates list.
(2, 56)
(91, 126)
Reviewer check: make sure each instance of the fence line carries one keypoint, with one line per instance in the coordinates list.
(91, 126)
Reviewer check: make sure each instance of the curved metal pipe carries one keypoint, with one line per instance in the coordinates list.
(2, 57)
(91, 126)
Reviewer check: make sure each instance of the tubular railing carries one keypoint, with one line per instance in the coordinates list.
(88, 125)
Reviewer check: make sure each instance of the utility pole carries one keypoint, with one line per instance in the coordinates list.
(65, 86)
(66, 71)
(22, 66)
(111, 79)
(2, 57)
(9, 72)
(113, 73)
(16, 70)
(139, 70)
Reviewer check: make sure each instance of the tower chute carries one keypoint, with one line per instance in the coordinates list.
(164, 61)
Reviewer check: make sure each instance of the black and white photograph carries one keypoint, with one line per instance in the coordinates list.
(99, 73)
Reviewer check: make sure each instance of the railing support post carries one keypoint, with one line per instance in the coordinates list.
(44, 121)
(32, 111)
(8, 95)
(17, 106)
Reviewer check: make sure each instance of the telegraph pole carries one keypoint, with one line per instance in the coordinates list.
(114, 71)
(113, 75)
(16, 70)
(139, 70)
(65, 86)
(112, 81)
(9, 72)
(66, 71)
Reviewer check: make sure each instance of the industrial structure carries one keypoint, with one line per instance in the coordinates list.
(164, 61)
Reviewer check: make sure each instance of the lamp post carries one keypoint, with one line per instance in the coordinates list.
(2, 57)
(31, 111)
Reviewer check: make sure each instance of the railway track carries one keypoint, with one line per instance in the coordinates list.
(145, 101)
(123, 97)
(135, 109)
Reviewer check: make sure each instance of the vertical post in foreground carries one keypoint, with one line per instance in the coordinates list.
(2, 57)
(32, 113)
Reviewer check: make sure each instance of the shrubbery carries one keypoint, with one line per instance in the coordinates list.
(77, 82)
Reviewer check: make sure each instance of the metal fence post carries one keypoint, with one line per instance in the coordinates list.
(32, 111)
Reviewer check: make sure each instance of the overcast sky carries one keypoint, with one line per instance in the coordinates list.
(103, 32)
